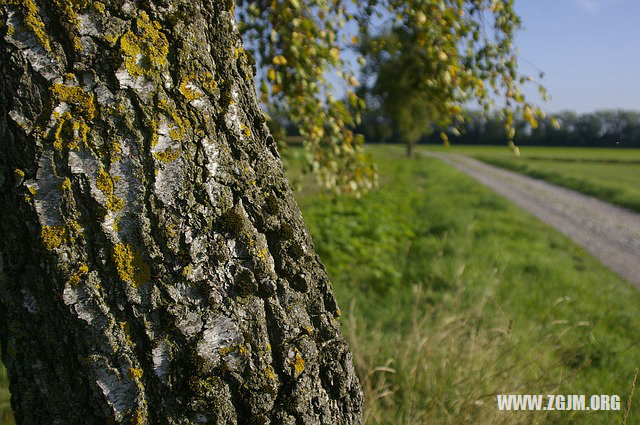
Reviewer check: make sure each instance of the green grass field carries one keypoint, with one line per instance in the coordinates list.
(612, 175)
(451, 295)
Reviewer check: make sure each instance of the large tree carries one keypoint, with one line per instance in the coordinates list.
(155, 267)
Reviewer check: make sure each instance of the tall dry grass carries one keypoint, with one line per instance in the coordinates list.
(447, 367)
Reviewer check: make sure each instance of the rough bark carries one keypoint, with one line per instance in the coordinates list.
(155, 267)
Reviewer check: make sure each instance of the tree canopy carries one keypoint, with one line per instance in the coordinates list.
(424, 60)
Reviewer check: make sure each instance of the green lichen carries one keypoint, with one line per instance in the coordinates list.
(31, 20)
(105, 183)
(130, 265)
(145, 53)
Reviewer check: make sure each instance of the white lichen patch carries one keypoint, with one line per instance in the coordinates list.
(167, 81)
(160, 358)
(88, 25)
(80, 162)
(104, 97)
(220, 334)
(169, 181)
(165, 141)
(190, 322)
(211, 154)
(198, 248)
(79, 302)
(48, 193)
(29, 302)
(25, 123)
(232, 117)
(40, 60)
(57, 112)
(118, 390)
(140, 84)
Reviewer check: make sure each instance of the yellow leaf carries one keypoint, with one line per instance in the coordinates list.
(279, 60)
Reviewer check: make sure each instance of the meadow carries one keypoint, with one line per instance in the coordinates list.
(612, 175)
(451, 295)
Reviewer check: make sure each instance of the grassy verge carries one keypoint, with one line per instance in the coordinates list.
(452, 295)
(612, 175)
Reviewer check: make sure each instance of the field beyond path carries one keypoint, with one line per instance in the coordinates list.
(609, 233)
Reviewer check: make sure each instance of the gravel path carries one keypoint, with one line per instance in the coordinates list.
(609, 233)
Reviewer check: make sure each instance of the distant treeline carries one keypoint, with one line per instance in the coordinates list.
(615, 128)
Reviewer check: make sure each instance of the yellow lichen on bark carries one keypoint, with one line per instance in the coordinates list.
(72, 126)
(186, 88)
(66, 184)
(168, 155)
(134, 373)
(145, 53)
(130, 265)
(81, 102)
(298, 365)
(54, 236)
(69, 11)
(31, 19)
(105, 183)
(77, 276)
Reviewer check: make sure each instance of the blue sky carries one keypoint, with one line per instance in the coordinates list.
(588, 49)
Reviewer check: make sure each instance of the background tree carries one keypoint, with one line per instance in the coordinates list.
(434, 57)
(454, 51)
(398, 72)
(155, 267)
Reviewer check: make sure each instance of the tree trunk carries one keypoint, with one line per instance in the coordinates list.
(409, 145)
(155, 266)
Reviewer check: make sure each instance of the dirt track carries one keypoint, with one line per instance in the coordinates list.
(609, 233)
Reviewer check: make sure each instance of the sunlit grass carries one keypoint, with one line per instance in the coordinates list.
(453, 295)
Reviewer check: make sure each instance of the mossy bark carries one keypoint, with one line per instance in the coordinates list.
(154, 265)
